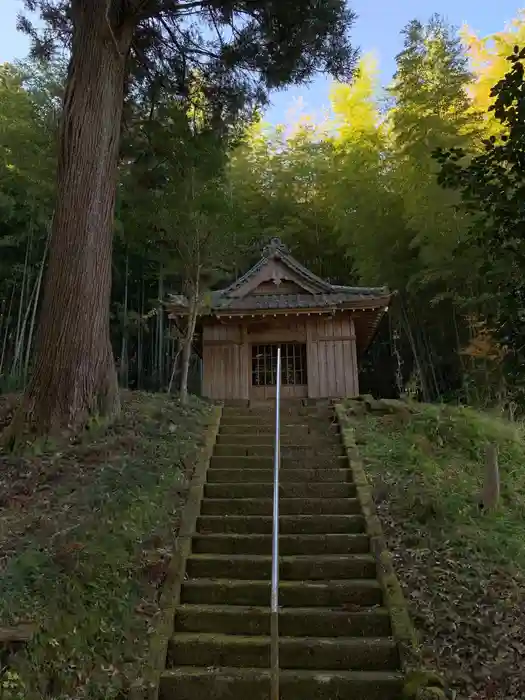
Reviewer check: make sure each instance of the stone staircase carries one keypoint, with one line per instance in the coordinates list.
(335, 634)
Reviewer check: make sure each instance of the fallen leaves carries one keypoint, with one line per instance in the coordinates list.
(87, 530)
(471, 619)
(468, 606)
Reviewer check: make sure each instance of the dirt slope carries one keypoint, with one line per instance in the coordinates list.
(87, 528)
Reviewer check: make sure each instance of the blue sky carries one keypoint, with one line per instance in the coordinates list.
(377, 30)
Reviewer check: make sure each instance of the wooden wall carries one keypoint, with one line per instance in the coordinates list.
(331, 355)
(225, 362)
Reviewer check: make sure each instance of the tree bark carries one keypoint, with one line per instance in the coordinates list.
(174, 368)
(160, 332)
(124, 362)
(34, 311)
(6, 329)
(193, 313)
(21, 301)
(140, 336)
(74, 371)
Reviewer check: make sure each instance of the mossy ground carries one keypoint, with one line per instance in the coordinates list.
(87, 529)
(462, 570)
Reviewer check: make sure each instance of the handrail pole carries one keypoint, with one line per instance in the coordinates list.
(274, 615)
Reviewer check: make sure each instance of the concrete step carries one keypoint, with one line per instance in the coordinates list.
(243, 438)
(296, 406)
(310, 450)
(190, 683)
(291, 568)
(298, 622)
(335, 634)
(289, 545)
(233, 474)
(323, 428)
(340, 653)
(316, 412)
(265, 412)
(288, 524)
(292, 594)
(289, 420)
(288, 461)
(287, 506)
(294, 490)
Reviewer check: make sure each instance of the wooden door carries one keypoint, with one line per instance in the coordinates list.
(294, 382)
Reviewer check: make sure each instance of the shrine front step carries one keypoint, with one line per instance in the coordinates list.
(335, 633)
(289, 460)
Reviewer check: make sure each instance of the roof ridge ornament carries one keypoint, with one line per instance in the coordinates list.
(274, 246)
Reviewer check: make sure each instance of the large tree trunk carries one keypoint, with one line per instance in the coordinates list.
(74, 370)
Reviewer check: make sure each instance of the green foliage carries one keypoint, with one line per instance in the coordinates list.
(488, 58)
(83, 567)
(241, 51)
(462, 569)
(356, 198)
(12, 687)
(27, 140)
(220, 60)
(28, 129)
(436, 461)
(431, 109)
(492, 187)
(418, 682)
(429, 87)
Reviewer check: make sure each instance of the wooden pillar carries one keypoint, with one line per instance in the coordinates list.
(245, 364)
(312, 357)
(354, 384)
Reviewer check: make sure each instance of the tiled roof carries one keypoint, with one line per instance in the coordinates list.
(325, 295)
(289, 301)
(278, 251)
(221, 302)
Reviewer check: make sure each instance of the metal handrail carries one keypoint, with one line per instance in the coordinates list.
(274, 614)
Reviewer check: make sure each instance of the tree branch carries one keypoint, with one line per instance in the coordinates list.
(195, 50)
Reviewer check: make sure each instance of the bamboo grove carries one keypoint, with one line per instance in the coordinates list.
(355, 194)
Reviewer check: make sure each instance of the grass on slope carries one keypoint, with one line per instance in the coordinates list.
(463, 570)
(86, 534)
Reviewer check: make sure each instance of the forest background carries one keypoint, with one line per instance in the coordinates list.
(358, 195)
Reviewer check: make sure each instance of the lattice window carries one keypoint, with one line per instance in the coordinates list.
(293, 364)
